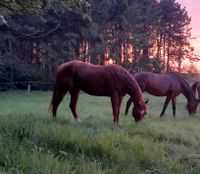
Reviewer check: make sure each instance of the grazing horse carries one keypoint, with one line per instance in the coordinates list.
(109, 80)
(196, 88)
(169, 85)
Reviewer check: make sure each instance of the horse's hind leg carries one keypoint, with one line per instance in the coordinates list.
(165, 105)
(73, 103)
(128, 103)
(174, 106)
(58, 95)
(56, 102)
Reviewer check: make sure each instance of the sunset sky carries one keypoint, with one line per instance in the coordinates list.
(193, 9)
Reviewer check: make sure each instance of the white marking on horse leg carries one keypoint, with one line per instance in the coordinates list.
(77, 120)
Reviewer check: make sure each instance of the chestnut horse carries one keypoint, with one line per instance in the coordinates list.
(109, 80)
(169, 85)
(196, 88)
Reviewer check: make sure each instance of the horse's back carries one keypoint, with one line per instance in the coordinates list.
(158, 84)
(93, 79)
(67, 68)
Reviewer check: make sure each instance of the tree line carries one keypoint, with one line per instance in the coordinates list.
(140, 35)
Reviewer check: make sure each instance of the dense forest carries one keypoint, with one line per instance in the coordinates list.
(140, 35)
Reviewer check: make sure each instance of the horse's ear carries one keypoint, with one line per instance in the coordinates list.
(146, 101)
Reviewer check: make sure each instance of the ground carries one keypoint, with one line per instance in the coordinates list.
(32, 143)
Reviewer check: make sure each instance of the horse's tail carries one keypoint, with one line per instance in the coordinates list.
(194, 86)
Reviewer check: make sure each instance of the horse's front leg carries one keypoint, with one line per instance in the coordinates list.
(165, 105)
(73, 103)
(119, 106)
(115, 100)
(198, 91)
(174, 106)
(128, 104)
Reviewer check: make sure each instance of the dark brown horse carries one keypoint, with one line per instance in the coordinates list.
(169, 85)
(196, 88)
(109, 80)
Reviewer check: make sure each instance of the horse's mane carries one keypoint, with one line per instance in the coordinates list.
(125, 73)
(185, 85)
(130, 78)
(194, 86)
(130, 81)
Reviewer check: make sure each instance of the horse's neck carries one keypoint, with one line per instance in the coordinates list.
(187, 91)
(134, 91)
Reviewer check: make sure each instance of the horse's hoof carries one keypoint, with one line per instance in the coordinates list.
(116, 125)
(77, 120)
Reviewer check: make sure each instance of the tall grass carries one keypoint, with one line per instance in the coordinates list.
(30, 142)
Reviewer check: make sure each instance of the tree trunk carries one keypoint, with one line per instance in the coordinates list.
(168, 54)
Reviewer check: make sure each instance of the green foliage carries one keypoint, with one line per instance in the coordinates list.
(50, 32)
(174, 27)
(27, 72)
(148, 64)
(32, 143)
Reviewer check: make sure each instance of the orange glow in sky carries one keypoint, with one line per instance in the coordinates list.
(193, 9)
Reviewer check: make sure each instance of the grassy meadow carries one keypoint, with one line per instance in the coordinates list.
(31, 143)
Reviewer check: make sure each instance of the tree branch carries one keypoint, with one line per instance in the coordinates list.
(40, 34)
(9, 7)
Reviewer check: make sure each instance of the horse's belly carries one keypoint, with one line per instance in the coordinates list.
(97, 91)
(157, 92)
(95, 86)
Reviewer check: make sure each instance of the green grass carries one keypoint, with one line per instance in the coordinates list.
(30, 142)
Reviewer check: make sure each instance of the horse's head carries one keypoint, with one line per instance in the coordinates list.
(139, 111)
(192, 106)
